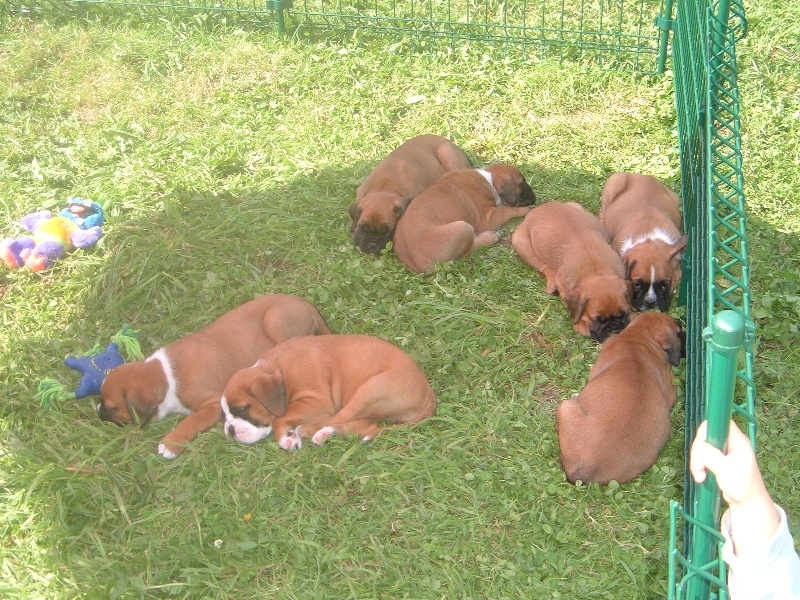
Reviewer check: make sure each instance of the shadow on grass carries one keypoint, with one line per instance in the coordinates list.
(473, 501)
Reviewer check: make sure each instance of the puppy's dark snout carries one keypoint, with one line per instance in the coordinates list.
(231, 431)
(104, 413)
(526, 195)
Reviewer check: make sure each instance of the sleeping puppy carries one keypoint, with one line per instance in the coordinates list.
(460, 213)
(569, 247)
(643, 219)
(317, 386)
(189, 375)
(616, 426)
(386, 192)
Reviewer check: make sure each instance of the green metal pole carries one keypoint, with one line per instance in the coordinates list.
(664, 22)
(279, 6)
(725, 339)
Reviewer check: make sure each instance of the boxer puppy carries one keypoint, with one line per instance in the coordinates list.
(643, 219)
(386, 192)
(569, 247)
(460, 213)
(317, 386)
(616, 426)
(189, 375)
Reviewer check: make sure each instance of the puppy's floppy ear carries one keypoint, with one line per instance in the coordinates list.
(399, 206)
(506, 187)
(576, 305)
(672, 341)
(140, 404)
(355, 214)
(677, 250)
(266, 387)
(629, 264)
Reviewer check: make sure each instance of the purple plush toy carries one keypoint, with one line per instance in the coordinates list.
(77, 226)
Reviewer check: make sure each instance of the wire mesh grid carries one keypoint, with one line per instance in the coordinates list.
(613, 34)
(709, 134)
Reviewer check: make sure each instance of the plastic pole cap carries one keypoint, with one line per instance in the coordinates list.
(728, 331)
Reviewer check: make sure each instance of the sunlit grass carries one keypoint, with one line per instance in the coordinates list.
(227, 159)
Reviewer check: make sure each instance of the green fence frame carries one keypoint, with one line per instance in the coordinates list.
(716, 294)
(625, 36)
(612, 34)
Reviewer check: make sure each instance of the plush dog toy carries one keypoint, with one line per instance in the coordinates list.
(93, 368)
(76, 226)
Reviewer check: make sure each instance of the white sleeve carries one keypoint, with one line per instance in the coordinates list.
(768, 573)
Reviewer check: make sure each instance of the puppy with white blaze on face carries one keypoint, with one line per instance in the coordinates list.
(241, 430)
(643, 220)
(319, 386)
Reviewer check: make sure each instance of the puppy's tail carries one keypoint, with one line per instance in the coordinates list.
(614, 186)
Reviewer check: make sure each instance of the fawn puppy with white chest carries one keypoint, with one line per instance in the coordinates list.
(460, 213)
(188, 376)
(643, 220)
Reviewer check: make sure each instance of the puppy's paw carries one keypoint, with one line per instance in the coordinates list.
(504, 241)
(291, 440)
(487, 238)
(322, 435)
(168, 451)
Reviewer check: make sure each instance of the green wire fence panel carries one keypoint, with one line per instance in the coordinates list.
(716, 290)
(614, 34)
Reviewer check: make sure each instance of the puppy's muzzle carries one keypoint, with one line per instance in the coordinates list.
(646, 297)
(526, 197)
(604, 326)
(107, 415)
(372, 240)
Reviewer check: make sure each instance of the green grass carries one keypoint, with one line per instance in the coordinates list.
(226, 160)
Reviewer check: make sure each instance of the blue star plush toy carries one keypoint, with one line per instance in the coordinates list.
(93, 368)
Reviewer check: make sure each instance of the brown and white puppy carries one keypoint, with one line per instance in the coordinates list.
(460, 213)
(616, 426)
(400, 177)
(317, 386)
(569, 247)
(642, 217)
(189, 375)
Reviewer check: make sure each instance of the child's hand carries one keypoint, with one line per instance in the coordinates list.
(737, 473)
(753, 516)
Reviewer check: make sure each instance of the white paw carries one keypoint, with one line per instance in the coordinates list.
(291, 441)
(166, 452)
(322, 435)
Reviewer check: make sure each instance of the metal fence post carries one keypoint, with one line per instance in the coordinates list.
(664, 23)
(725, 339)
(279, 6)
